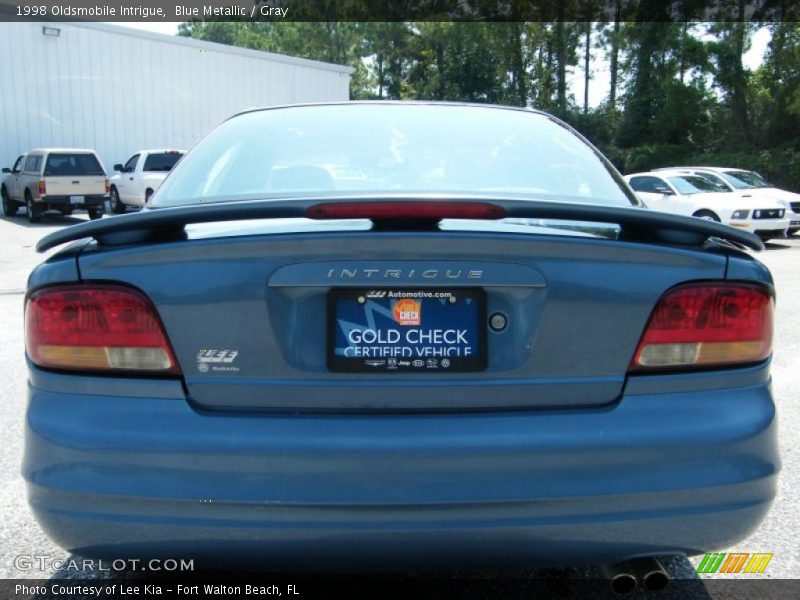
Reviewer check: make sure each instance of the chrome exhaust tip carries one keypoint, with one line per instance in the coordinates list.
(651, 573)
(620, 578)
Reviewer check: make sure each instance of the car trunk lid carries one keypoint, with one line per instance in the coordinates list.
(256, 305)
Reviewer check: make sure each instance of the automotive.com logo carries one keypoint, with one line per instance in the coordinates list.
(734, 562)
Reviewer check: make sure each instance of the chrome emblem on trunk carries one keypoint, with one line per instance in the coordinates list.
(406, 274)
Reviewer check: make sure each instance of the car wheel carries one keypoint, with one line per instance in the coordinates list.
(147, 195)
(791, 232)
(707, 215)
(94, 213)
(117, 206)
(33, 212)
(9, 206)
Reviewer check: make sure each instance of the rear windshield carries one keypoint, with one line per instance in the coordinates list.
(391, 148)
(72, 164)
(161, 161)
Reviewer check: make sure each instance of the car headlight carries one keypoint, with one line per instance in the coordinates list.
(741, 214)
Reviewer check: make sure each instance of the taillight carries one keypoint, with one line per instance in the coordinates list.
(707, 325)
(108, 186)
(42, 187)
(405, 210)
(96, 328)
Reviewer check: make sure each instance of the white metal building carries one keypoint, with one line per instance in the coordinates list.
(117, 90)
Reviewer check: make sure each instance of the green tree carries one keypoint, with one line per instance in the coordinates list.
(732, 41)
(679, 91)
(775, 88)
(387, 46)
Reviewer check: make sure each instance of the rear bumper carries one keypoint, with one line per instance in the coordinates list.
(56, 202)
(144, 474)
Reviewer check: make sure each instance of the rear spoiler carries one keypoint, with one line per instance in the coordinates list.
(399, 212)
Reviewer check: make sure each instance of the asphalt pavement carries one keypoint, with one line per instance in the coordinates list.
(20, 535)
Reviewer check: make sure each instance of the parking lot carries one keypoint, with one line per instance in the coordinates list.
(20, 534)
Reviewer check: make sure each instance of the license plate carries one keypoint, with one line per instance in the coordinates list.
(76, 199)
(407, 330)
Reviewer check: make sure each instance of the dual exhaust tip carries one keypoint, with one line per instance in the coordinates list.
(625, 577)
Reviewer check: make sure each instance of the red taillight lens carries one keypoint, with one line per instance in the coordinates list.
(405, 210)
(42, 187)
(707, 325)
(108, 186)
(96, 328)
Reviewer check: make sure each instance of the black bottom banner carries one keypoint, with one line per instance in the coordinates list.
(304, 587)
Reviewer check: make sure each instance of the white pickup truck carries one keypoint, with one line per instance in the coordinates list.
(60, 179)
(138, 179)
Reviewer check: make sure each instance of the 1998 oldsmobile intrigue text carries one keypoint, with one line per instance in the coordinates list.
(396, 335)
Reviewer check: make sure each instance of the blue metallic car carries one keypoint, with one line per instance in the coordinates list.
(399, 335)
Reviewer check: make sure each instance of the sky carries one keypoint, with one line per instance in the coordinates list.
(599, 84)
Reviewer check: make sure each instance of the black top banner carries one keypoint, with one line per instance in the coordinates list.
(400, 10)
